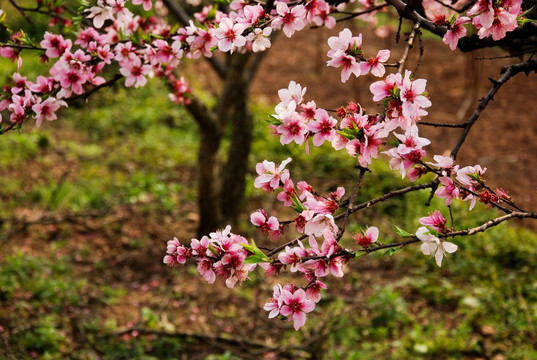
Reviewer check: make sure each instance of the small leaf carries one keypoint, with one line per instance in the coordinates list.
(359, 254)
(213, 250)
(254, 259)
(273, 120)
(402, 233)
(391, 251)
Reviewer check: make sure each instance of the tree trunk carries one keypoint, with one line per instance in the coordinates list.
(236, 167)
(209, 182)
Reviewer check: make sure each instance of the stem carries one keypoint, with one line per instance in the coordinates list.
(508, 72)
(409, 45)
(351, 201)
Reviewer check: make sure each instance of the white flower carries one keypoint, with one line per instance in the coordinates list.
(260, 39)
(431, 245)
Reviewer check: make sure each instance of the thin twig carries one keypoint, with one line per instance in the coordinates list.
(289, 243)
(493, 222)
(17, 46)
(508, 72)
(426, 123)
(409, 45)
(357, 187)
(388, 195)
(360, 13)
(21, 11)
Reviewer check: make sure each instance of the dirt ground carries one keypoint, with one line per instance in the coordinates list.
(503, 139)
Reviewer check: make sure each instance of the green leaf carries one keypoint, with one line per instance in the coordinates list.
(273, 120)
(254, 259)
(358, 254)
(213, 250)
(259, 256)
(391, 251)
(297, 204)
(402, 233)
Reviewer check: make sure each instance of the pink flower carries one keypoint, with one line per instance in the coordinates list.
(345, 61)
(100, 13)
(274, 304)
(412, 96)
(435, 221)
(260, 39)
(344, 42)
(135, 73)
(313, 292)
(271, 176)
(448, 191)
(319, 223)
(267, 225)
(147, 4)
(47, 109)
(297, 306)
(375, 64)
(291, 20)
(55, 45)
(384, 88)
(455, 32)
(294, 93)
(42, 85)
(446, 163)
(370, 236)
(288, 193)
(323, 127)
(125, 52)
(229, 35)
(205, 269)
(293, 256)
(293, 128)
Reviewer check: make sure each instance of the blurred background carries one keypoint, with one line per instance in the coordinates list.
(89, 201)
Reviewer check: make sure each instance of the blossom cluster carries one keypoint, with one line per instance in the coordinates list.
(144, 46)
(490, 18)
(221, 254)
(346, 50)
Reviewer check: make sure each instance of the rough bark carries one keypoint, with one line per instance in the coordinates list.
(236, 167)
(208, 182)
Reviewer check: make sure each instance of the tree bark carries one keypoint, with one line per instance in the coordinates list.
(236, 167)
(209, 182)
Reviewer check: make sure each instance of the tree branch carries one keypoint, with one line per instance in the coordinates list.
(508, 72)
(493, 222)
(357, 187)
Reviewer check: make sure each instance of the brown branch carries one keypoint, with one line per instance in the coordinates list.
(21, 11)
(351, 199)
(493, 222)
(88, 93)
(289, 243)
(508, 72)
(387, 196)
(16, 46)
(360, 13)
(9, 128)
(426, 123)
(409, 45)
